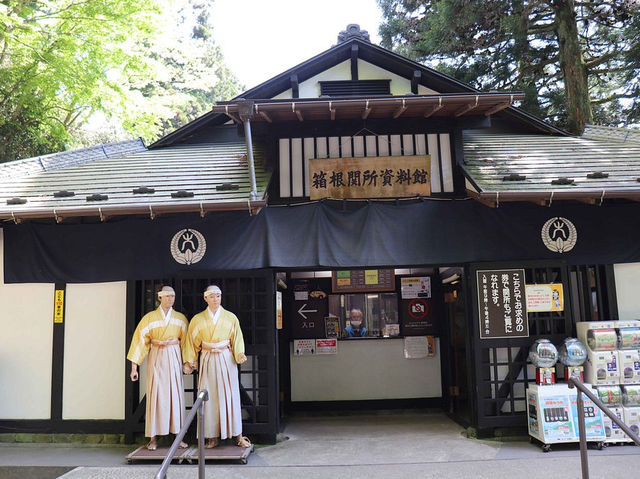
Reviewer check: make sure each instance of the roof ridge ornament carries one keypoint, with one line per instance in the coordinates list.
(353, 31)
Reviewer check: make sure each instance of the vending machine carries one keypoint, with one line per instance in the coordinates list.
(629, 351)
(552, 414)
(602, 367)
(611, 396)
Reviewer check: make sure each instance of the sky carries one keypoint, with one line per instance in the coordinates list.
(262, 38)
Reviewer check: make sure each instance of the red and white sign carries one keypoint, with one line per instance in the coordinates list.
(418, 308)
(327, 346)
(304, 347)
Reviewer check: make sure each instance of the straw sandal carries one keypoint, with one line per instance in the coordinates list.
(152, 446)
(183, 445)
(243, 441)
(212, 442)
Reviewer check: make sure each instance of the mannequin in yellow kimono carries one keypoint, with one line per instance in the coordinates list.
(161, 334)
(216, 334)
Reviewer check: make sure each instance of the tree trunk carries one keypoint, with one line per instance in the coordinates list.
(573, 68)
(527, 77)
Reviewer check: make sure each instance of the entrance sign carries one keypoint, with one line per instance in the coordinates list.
(308, 318)
(502, 305)
(544, 297)
(370, 177)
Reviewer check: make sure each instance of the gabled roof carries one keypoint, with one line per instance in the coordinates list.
(544, 169)
(339, 53)
(198, 178)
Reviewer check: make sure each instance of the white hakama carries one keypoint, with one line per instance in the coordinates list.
(219, 375)
(165, 398)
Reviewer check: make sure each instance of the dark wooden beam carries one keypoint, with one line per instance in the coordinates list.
(295, 90)
(415, 81)
(354, 62)
(57, 363)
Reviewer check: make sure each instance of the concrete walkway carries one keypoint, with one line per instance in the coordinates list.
(399, 445)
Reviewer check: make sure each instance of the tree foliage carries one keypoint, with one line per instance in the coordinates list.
(576, 61)
(146, 67)
(53, 60)
(184, 74)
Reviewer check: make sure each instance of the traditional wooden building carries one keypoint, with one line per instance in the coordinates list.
(358, 179)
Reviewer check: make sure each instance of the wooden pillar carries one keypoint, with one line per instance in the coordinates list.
(57, 363)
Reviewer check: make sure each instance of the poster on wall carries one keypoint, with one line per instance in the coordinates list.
(304, 347)
(327, 346)
(415, 287)
(544, 297)
(502, 305)
(417, 318)
(417, 347)
(332, 326)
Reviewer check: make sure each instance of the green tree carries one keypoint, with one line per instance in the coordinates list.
(185, 74)
(54, 56)
(141, 68)
(574, 60)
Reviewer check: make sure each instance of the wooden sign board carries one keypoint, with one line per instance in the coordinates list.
(370, 177)
(502, 304)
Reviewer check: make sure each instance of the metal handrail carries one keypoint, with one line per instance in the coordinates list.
(197, 408)
(574, 381)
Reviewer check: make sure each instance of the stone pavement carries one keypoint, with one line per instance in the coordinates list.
(371, 446)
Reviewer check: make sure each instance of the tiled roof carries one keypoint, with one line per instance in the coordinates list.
(63, 159)
(506, 167)
(610, 133)
(178, 178)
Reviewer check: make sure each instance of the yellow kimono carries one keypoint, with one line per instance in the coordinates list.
(162, 340)
(221, 345)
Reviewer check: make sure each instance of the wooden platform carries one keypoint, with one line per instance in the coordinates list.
(224, 452)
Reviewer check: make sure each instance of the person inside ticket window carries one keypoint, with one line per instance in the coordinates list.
(356, 327)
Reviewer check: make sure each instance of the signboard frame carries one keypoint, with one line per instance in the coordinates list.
(386, 286)
(485, 317)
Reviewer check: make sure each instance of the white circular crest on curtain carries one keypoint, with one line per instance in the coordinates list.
(559, 234)
(188, 246)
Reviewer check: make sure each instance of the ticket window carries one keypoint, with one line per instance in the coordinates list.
(365, 315)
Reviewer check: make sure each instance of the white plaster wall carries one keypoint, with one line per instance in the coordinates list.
(26, 321)
(365, 369)
(399, 85)
(627, 278)
(311, 88)
(94, 351)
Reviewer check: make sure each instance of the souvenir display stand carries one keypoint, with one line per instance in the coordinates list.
(613, 367)
(552, 414)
